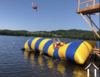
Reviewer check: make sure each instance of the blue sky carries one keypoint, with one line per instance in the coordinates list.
(50, 15)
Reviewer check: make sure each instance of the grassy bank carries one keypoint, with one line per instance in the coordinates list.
(70, 34)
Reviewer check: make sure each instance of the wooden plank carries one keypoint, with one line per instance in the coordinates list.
(90, 25)
(93, 23)
(78, 5)
(96, 49)
(97, 14)
(93, 3)
(89, 9)
(86, 2)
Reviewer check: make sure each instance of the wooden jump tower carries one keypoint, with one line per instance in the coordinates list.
(88, 11)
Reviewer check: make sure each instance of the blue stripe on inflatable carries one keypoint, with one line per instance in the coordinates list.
(71, 50)
(38, 43)
(55, 54)
(46, 46)
(29, 42)
(22, 47)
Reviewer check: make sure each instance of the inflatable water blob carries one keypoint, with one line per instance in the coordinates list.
(77, 51)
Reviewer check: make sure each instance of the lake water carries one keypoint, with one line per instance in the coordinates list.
(17, 63)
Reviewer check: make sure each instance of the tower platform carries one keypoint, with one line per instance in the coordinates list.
(89, 9)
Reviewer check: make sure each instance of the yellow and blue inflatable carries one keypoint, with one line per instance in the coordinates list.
(76, 52)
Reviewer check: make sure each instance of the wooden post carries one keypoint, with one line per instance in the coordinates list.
(86, 4)
(93, 23)
(78, 5)
(90, 25)
(93, 3)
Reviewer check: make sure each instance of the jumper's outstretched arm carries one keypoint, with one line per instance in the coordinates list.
(58, 40)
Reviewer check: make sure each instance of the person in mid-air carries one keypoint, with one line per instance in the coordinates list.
(34, 7)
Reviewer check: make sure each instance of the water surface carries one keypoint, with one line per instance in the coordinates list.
(17, 63)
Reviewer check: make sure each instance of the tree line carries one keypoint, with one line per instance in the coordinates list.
(72, 34)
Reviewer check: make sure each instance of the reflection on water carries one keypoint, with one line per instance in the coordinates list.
(50, 63)
(61, 68)
(26, 54)
(78, 73)
(40, 60)
(55, 67)
(32, 59)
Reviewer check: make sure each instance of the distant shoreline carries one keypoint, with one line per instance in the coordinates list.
(64, 34)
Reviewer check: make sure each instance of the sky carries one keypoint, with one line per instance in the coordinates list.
(51, 15)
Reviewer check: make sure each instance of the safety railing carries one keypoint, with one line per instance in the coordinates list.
(86, 3)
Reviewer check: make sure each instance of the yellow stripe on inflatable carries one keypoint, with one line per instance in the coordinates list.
(83, 52)
(33, 43)
(50, 50)
(62, 52)
(41, 45)
(26, 45)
